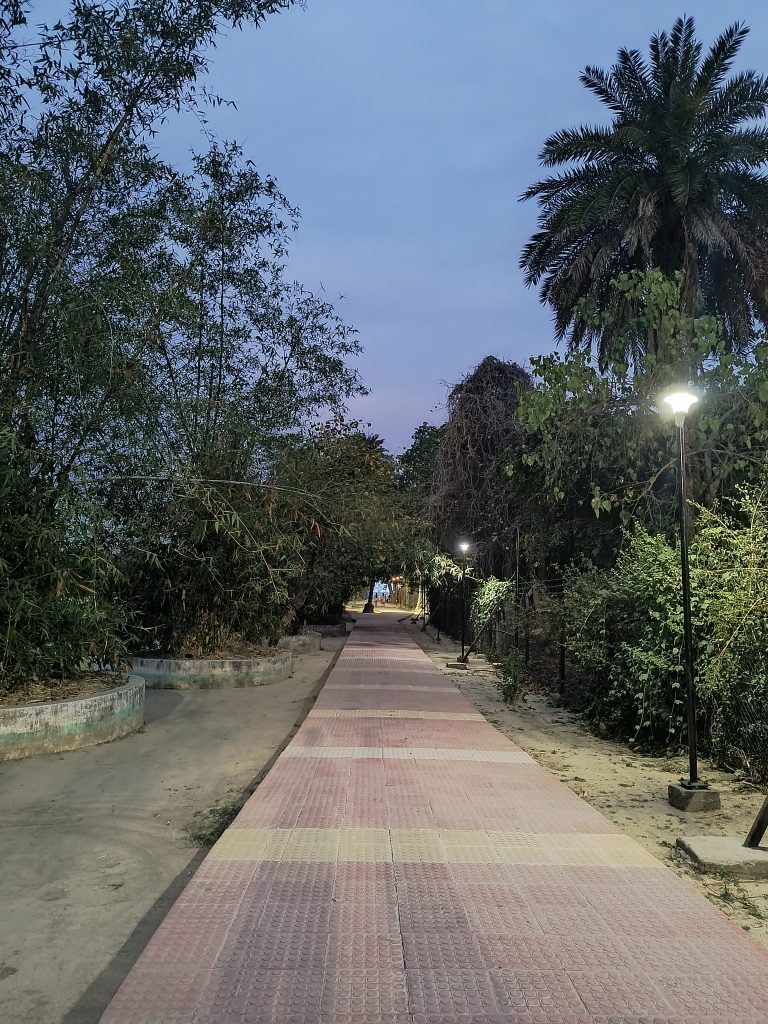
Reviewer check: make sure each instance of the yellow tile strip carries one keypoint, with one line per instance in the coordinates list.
(412, 753)
(445, 716)
(430, 846)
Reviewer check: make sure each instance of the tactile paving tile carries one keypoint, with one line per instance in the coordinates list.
(538, 991)
(416, 846)
(398, 713)
(606, 991)
(217, 882)
(364, 844)
(443, 951)
(162, 987)
(178, 942)
(707, 995)
(365, 994)
(461, 994)
(360, 950)
(251, 951)
(675, 1019)
(365, 883)
(404, 863)
(444, 735)
(265, 995)
(242, 844)
(384, 687)
(736, 958)
(311, 844)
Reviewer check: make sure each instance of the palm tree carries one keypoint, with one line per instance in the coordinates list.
(677, 181)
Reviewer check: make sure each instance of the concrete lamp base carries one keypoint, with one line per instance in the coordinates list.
(687, 798)
(726, 855)
(456, 664)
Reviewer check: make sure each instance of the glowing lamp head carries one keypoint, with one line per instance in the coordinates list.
(463, 546)
(679, 402)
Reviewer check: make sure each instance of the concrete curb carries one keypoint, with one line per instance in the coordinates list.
(301, 643)
(202, 674)
(327, 629)
(726, 855)
(55, 726)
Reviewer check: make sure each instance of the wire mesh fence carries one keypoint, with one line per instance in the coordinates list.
(740, 734)
(735, 734)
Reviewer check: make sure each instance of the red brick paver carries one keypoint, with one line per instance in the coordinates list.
(404, 862)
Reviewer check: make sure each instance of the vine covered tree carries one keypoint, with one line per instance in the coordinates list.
(676, 181)
(469, 494)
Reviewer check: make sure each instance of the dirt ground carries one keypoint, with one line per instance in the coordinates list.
(628, 788)
(95, 847)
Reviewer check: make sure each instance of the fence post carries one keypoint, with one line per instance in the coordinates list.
(759, 827)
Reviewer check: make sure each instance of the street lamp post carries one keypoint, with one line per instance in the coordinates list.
(680, 401)
(463, 547)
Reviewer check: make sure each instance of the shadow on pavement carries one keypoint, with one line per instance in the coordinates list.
(93, 1002)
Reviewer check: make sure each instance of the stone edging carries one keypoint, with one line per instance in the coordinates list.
(327, 629)
(53, 726)
(301, 643)
(202, 674)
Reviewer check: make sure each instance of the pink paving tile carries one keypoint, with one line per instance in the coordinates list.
(312, 939)
(369, 994)
(365, 883)
(162, 987)
(268, 995)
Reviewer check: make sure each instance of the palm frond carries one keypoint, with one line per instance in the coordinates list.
(602, 85)
(631, 79)
(678, 180)
(719, 60)
(687, 52)
(572, 144)
(744, 97)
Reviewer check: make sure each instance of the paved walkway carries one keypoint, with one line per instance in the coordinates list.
(405, 862)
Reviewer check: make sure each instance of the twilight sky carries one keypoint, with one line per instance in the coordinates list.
(405, 130)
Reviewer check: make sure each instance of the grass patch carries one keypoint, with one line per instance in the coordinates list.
(208, 825)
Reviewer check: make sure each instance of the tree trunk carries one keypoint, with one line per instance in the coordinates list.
(368, 606)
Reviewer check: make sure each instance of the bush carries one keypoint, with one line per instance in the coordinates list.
(56, 605)
(489, 603)
(512, 677)
(625, 635)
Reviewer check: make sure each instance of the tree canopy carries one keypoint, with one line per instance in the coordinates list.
(675, 181)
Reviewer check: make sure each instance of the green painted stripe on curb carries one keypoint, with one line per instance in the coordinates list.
(55, 728)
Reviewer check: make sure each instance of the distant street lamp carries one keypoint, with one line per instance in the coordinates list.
(680, 401)
(464, 548)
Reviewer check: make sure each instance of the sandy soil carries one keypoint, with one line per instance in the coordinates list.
(94, 844)
(629, 788)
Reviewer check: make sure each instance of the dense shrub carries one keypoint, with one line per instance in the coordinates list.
(56, 605)
(490, 601)
(625, 635)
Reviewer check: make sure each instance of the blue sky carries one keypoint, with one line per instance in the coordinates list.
(405, 130)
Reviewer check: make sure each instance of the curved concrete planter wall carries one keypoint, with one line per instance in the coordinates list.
(301, 643)
(60, 725)
(200, 674)
(327, 629)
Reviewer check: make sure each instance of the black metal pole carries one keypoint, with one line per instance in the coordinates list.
(561, 666)
(463, 605)
(759, 827)
(693, 770)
